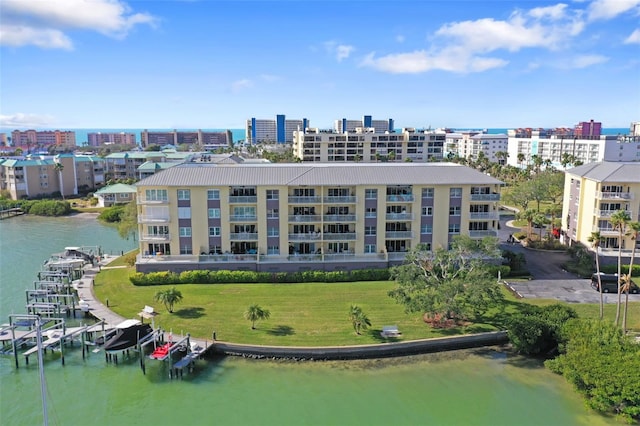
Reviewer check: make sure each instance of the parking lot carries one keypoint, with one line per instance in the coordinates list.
(572, 290)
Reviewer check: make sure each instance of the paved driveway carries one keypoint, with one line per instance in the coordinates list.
(550, 281)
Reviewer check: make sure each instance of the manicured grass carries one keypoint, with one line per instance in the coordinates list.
(310, 314)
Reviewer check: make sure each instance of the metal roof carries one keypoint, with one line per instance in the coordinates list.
(608, 171)
(295, 174)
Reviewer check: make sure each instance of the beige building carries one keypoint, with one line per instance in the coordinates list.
(365, 145)
(595, 191)
(294, 217)
(38, 176)
(469, 144)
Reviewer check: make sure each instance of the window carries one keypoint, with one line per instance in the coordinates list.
(455, 192)
(213, 194)
(370, 212)
(272, 194)
(427, 192)
(273, 250)
(370, 248)
(214, 213)
(156, 195)
(186, 249)
(184, 212)
(272, 213)
(454, 228)
(185, 231)
(454, 211)
(214, 231)
(246, 212)
(184, 194)
(371, 194)
(370, 230)
(426, 229)
(427, 211)
(273, 232)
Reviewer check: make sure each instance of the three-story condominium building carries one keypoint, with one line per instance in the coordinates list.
(592, 193)
(294, 217)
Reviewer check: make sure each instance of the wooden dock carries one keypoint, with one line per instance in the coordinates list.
(7, 213)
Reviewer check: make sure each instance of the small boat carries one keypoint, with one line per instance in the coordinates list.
(161, 352)
(127, 336)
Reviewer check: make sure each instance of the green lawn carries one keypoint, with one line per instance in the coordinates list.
(311, 314)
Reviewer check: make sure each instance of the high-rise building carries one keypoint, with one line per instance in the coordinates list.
(588, 130)
(279, 130)
(32, 139)
(208, 140)
(379, 126)
(97, 139)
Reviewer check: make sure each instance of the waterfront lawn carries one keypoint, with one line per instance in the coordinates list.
(309, 314)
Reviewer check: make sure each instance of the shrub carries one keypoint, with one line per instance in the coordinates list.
(539, 330)
(130, 258)
(613, 269)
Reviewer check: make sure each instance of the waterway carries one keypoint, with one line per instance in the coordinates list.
(456, 388)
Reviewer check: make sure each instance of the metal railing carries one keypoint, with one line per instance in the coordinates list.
(398, 234)
(485, 197)
(242, 218)
(155, 237)
(305, 236)
(145, 200)
(483, 215)
(340, 200)
(304, 200)
(243, 236)
(341, 236)
(608, 213)
(615, 195)
(339, 218)
(484, 233)
(304, 218)
(399, 216)
(243, 199)
(152, 219)
(406, 198)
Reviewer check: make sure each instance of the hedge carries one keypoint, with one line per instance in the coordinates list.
(613, 269)
(235, 277)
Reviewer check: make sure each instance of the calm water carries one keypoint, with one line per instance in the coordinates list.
(457, 388)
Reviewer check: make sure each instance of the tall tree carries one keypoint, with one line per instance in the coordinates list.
(530, 216)
(169, 297)
(256, 313)
(619, 221)
(521, 158)
(128, 225)
(634, 230)
(595, 239)
(358, 318)
(58, 167)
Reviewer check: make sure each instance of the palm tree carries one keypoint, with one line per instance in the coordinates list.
(595, 239)
(619, 221)
(58, 167)
(168, 297)
(530, 216)
(521, 158)
(358, 318)
(634, 229)
(255, 313)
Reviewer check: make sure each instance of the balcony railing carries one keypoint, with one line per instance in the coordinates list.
(615, 195)
(305, 236)
(398, 255)
(485, 197)
(228, 258)
(145, 200)
(483, 216)
(394, 235)
(243, 236)
(155, 237)
(304, 200)
(608, 213)
(236, 199)
(152, 219)
(242, 218)
(484, 233)
(406, 198)
(339, 218)
(340, 200)
(399, 216)
(341, 236)
(304, 218)
(606, 231)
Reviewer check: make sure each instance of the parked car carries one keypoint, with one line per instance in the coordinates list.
(610, 283)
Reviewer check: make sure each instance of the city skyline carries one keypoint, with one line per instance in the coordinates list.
(207, 64)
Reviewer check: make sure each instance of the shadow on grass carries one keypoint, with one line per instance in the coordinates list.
(281, 330)
(190, 313)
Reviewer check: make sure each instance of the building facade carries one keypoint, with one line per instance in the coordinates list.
(367, 122)
(279, 130)
(208, 140)
(32, 139)
(293, 217)
(469, 144)
(365, 145)
(593, 192)
(39, 176)
(97, 139)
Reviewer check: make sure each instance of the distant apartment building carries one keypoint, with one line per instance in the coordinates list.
(97, 139)
(279, 130)
(3, 139)
(366, 145)
(33, 139)
(297, 217)
(38, 176)
(469, 144)
(208, 140)
(367, 122)
(634, 128)
(593, 192)
(588, 129)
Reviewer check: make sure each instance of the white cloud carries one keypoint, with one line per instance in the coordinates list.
(552, 12)
(21, 120)
(340, 51)
(240, 85)
(607, 9)
(581, 61)
(421, 61)
(634, 38)
(42, 23)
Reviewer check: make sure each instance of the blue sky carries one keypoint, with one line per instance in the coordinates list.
(213, 64)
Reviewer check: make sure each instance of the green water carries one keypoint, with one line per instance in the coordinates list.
(456, 388)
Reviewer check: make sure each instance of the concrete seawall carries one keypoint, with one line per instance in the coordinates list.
(365, 351)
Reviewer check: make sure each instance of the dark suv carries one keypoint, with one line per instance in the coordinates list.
(610, 283)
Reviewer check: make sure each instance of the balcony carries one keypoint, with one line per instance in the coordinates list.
(305, 236)
(483, 216)
(608, 213)
(615, 195)
(243, 199)
(485, 197)
(339, 236)
(399, 216)
(340, 200)
(394, 235)
(242, 218)
(484, 233)
(304, 218)
(243, 236)
(145, 200)
(339, 218)
(155, 237)
(606, 231)
(152, 219)
(304, 200)
(402, 198)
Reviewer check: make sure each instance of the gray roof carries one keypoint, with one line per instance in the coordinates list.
(609, 171)
(294, 174)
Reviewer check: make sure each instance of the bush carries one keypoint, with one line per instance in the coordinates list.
(130, 258)
(112, 214)
(47, 207)
(539, 330)
(613, 269)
